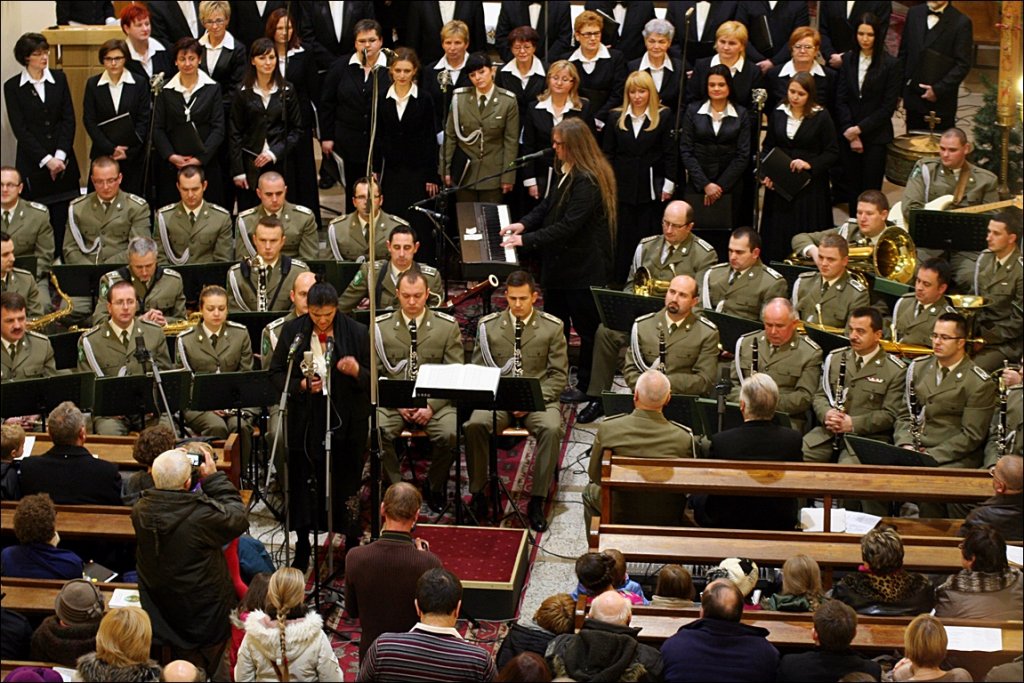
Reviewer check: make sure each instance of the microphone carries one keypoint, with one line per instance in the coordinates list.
(546, 152)
(444, 80)
(296, 343)
(141, 352)
(759, 96)
(156, 82)
(724, 385)
(432, 214)
(390, 54)
(329, 348)
(689, 12)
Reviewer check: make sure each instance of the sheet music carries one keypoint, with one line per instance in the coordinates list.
(860, 522)
(1015, 554)
(454, 376)
(813, 519)
(974, 639)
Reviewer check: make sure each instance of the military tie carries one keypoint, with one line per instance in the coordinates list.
(668, 254)
(672, 328)
(7, 223)
(106, 207)
(858, 363)
(191, 218)
(732, 276)
(824, 287)
(772, 350)
(483, 103)
(14, 351)
(213, 340)
(943, 373)
(124, 338)
(917, 309)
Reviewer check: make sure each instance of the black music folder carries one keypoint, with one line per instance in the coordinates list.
(718, 216)
(932, 68)
(121, 130)
(459, 167)
(761, 35)
(871, 452)
(788, 184)
(41, 187)
(619, 310)
(185, 140)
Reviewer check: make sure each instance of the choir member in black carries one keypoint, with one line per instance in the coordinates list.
(941, 28)
(625, 34)
(265, 124)
(173, 21)
(191, 99)
(249, 19)
(346, 367)
(328, 28)
(804, 131)
(602, 70)
(704, 23)
(347, 99)
(638, 146)
(297, 66)
(730, 43)
(449, 72)
(407, 147)
(715, 146)
(867, 93)
(112, 93)
(86, 13)
(804, 46)
(573, 230)
(783, 17)
(148, 55)
(42, 118)
(524, 75)
(425, 20)
(665, 70)
(551, 20)
(838, 20)
(560, 101)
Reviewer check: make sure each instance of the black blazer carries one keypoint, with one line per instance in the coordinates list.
(207, 115)
(720, 12)
(815, 140)
(88, 13)
(787, 15)
(251, 124)
(423, 28)
(346, 101)
(603, 87)
(824, 87)
(228, 71)
(554, 14)
(630, 41)
(722, 159)
(407, 148)
(97, 107)
(871, 107)
(301, 74)
(537, 127)
(839, 32)
(317, 29)
(163, 62)
(669, 91)
(744, 83)
(72, 477)
(952, 36)
(169, 23)
(247, 24)
(526, 97)
(641, 163)
(442, 100)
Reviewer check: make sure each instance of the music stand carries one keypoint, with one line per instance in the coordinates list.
(83, 279)
(708, 408)
(619, 310)
(65, 349)
(254, 322)
(948, 231)
(731, 327)
(681, 408)
(338, 273)
(791, 272)
(133, 394)
(889, 290)
(40, 395)
(514, 394)
(871, 452)
(195, 276)
(828, 341)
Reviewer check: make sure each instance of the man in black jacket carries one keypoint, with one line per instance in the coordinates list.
(835, 625)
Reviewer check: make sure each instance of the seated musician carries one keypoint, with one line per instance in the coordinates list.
(28, 223)
(158, 290)
(793, 360)
(828, 296)
(25, 354)
(999, 278)
(745, 284)
(871, 391)
(19, 280)
(109, 350)
(401, 253)
(348, 235)
(1006, 433)
(298, 222)
(217, 345)
(643, 433)
(914, 314)
(101, 223)
(677, 251)
(869, 224)
(542, 353)
(297, 295)
(407, 338)
(264, 285)
(193, 230)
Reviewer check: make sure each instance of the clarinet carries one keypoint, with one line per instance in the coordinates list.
(754, 364)
(1002, 442)
(915, 417)
(262, 305)
(413, 368)
(837, 438)
(662, 353)
(517, 350)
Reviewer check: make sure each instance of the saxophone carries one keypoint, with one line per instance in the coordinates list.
(754, 364)
(413, 368)
(915, 416)
(517, 350)
(262, 305)
(837, 438)
(62, 312)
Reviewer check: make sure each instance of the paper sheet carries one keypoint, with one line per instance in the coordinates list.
(974, 639)
(65, 673)
(1015, 554)
(125, 597)
(813, 519)
(30, 443)
(860, 522)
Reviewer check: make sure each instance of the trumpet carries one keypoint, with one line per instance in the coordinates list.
(174, 329)
(645, 285)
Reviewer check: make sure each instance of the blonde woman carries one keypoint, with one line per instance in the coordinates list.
(801, 586)
(122, 649)
(639, 149)
(924, 644)
(730, 45)
(286, 643)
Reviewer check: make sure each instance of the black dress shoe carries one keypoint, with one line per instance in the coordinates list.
(572, 395)
(437, 500)
(480, 507)
(326, 182)
(593, 411)
(535, 511)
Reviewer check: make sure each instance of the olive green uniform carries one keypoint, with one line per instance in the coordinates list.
(243, 285)
(32, 234)
(438, 341)
(386, 283)
(831, 305)
(690, 257)
(691, 352)
(795, 366)
(300, 234)
(489, 137)
(204, 238)
(929, 180)
(165, 293)
(348, 239)
(95, 235)
(1014, 426)
(747, 293)
(849, 230)
(544, 356)
(873, 399)
(999, 323)
(913, 323)
(271, 333)
(24, 283)
(33, 357)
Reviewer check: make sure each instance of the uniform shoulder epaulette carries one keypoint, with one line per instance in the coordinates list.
(704, 245)
(446, 316)
(248, 212)
(172, 273)
(750, 334)
(1020, 260)
(187, 331)
(707, 322)
(551, 316)
(166, 208)
(811, 342)
(682, 426)
(490, 316)
(858, 285)
(276, 323)
(398, 219)
(300, 263)
(76, 200)
(646, 316)
(719, 265)
(809, 273)
(908, 294)
(338, 219)
(771, 271)
(37, 206)
(897, 360)
(981, 373)
(841, 349)
(37, 335)
(235, 266)
(385, 316)
(303, 209)
(612, 418)
(218, 207)
(92, 330)
(232, 323)
(137, 199)
(649, 238)
(503, 91)
(22, 271)
(427, 270)
(464, 89)
(153, 324)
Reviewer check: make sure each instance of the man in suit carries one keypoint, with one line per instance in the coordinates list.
(425, 20)
(745, 284)
(277, 269)
(626, 33)
(68, 471)
(999, 278)
(644, 432)
(758, 438)
(871, 392)
(326, 28)
(193, 230)
(19, 280)
(914, 314)
(158, 290)
(837, 22)
(28, 223)
(934, 31)
(543, 354)
(101, 223)
(25, 354)
(828, 296)
(348, 236)
(704, 22)
(550, 19)
(792, 360)
(780, 18)
(174, 20)
(297, 221)
(434, 338)
(402, 247)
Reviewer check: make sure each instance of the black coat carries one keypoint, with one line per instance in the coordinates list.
(317, 29)
(228, 71)
(526, 96)
(839, 31)
(953, 37)
(537, 127)
(406, 152)
(72, 476)
(97, 106)
(870, 108)
(162, 61)
(251, 124)
(722, 159)
(629, 41)
(558, 41)
(824, 87)
(825, 665)
(744, 83)
(247, 24)
(347, 103)
(169, 23)
(603, 87)
(787, 16)
(642, 162)
(442, 100)
(668, 93)
(207, 115)
(423, 28)
(719, 13)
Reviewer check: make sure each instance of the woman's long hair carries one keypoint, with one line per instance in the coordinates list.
(877, 50)
(583, 154)
(806, 81)
(284, 597)
(574, 92)
(260, 47)
(271, 28)
(641, 80)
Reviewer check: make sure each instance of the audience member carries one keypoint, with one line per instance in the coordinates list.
(71, 632)
(595, 573)
(620, 579)
(1004, 510)
(553, 618)
(742, 572)
(924, 645)
(12, 443)
(255, 598)
(881, 586)
(152, 442)
(37, 556)
(122, 649)
(717, 646)
(801, 586)
(987, 587)
(526, 666)
(183, 671)
(835, 625)
(286, 642)
(606, 648)
(433, 650)
(674, 587)
(1011, 671)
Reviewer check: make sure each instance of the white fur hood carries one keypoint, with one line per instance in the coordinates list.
(299, 633)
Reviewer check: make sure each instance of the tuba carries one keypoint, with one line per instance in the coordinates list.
(894, 257)
(645, 285)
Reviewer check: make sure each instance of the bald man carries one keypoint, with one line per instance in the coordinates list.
(1003, 511)
(301, 240)
(183, 671)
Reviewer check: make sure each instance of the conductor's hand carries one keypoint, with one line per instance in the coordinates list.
(208, 466)
(263, 159)
(348, 365)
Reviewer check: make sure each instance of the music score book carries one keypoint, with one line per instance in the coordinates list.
(788, 184)
(441, 381)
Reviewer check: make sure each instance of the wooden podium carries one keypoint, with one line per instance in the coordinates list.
(75, 50)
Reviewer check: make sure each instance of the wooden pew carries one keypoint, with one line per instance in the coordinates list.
(81, 521)
(37, 596)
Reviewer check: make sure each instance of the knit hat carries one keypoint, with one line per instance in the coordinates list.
(79, 602)
(740, 571)
(31, 674)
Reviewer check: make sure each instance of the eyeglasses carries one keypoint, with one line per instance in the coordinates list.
(215, 22)
(105, 182)
(590, 34)
(522, 47)
(944, 337)
(113, 60)
(803, 48)
(561, 79)
(673, 226)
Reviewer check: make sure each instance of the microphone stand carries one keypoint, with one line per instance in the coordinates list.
(156, 87)
(143, 356)
(282, 414)
(328, 488)
(759, 99)
(441, 198)
(677, 133)
(722, 389)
